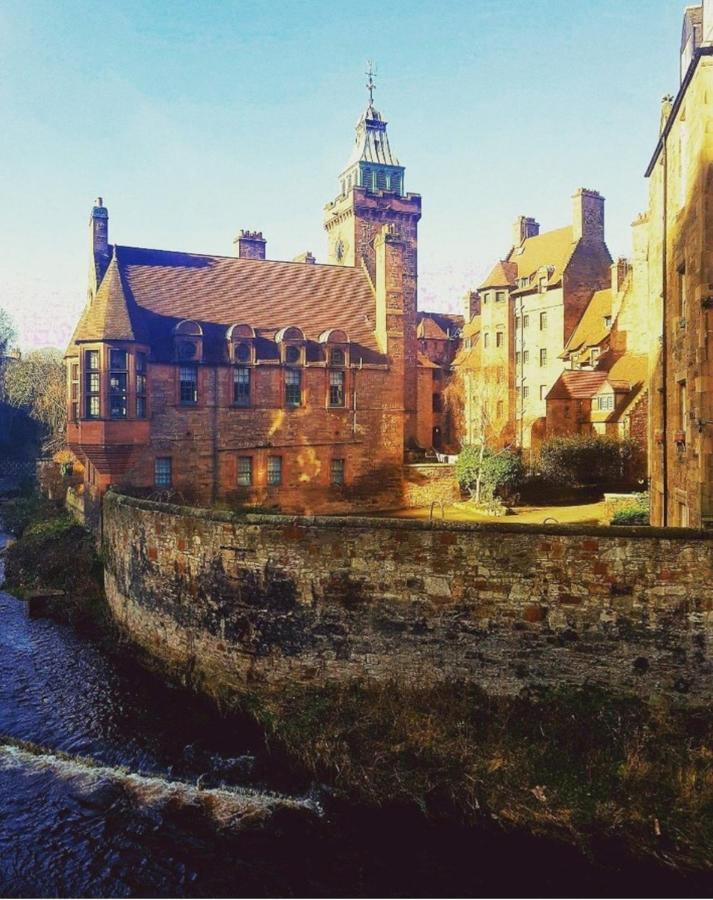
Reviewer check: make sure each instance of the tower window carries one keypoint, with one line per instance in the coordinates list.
(337, 471)
(381, 180)
(118, 383)
(74, 392)
(395, 183)
(367, 179)
(140, 385)
(92, 384)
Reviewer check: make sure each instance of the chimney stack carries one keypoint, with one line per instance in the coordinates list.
(250, 245)
(619, 270)
(588, 216)
(471, 305)
(523, 229)
(305, 257)
(99, 229)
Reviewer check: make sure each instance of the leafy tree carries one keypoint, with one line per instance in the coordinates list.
(36, 382)
(487, 473)
(8, 334)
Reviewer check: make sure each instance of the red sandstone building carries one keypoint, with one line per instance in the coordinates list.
(251, 381)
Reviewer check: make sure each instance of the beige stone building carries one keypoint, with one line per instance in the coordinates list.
(530, 305)
(679, 224)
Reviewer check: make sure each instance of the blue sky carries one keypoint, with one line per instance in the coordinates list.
(196, 119)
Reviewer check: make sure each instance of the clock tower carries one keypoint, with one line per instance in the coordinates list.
(371, 195)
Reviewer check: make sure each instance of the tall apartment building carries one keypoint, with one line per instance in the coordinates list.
(530, 304)
(679, 222)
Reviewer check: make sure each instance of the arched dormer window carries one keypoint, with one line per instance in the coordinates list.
(291, 341)
(336, 347)
(241, 344)
(188, 342)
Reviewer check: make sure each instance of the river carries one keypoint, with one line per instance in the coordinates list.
(113, 784)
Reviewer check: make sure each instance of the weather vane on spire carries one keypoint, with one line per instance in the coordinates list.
(370, 86)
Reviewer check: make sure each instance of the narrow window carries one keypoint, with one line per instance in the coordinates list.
(485, 339)
(336, 357)
(500, 409)
(293, 387)
(543, 321)
(162, 474)
(245, 471)
(543, 284)
(607, 321)
(499, 339)
(92, 384)
(682, 298)
(337, 471)
(74, 391)
(140, 385)
(241, 386)
(525, 392)
(543, 357)
(274, 470)
(336, 388)
(499, 296)
(381, 180)
(188, 376)
(543, 391)
(518, 358)
(525, 320)
(682, 406)
(526, 356)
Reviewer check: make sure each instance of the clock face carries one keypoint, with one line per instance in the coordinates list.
(340, 249)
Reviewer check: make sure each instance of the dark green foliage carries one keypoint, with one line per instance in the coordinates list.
(590, 460)
(20, 512)
(501, 472)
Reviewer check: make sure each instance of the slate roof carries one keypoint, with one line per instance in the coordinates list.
(552, 248)
(503, 274)
(145, 293)
(371, 143)
(591, 330)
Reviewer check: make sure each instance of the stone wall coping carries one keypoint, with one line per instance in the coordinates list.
(643, 532)
(429, 465)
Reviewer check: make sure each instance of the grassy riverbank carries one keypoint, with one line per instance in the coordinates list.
(607, 774)
(51, 552)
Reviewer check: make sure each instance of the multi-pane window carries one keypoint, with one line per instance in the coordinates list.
(92, 384)
(118, 383)
(274, 470)
(337, 471)
(525, 320)
(605, 402)
(543, 321)
(74, 391)
(336, 357)
(499, 296)
(188, 381)
(525, 392)
(245, 471)
(526, 356)
(241, 386)
(336, 388)
(543, 357)
(162, 474)
(293, 387)
(140, 385)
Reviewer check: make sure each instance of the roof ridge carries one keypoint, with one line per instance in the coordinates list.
(290, 262)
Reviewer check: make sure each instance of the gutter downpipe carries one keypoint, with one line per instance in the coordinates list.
(664, 332)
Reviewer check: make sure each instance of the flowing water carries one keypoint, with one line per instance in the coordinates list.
(114, 784)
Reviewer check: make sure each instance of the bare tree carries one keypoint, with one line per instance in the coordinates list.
(36, 382)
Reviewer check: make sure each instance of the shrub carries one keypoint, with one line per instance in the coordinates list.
(635, 512)
(500, 472)
(590, 459)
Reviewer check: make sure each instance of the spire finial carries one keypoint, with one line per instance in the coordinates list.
(370, 86)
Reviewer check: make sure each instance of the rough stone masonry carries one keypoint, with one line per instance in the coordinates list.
(252, 601)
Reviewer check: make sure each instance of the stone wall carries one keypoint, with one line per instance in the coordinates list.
(260, 602)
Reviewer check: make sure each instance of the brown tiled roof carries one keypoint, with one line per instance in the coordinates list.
(430, 330)
(425, 362)
(163, 287)
(446, 322)
(503, 274)
(591, 330)
(577, 384)
(109, 315)
(552, 248)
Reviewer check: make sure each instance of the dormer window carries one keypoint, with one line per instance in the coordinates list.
(607, 321)
(291, 341)
(337, 357)
(188, 341)
(241, 344)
